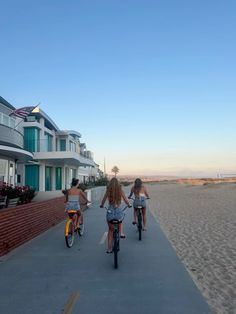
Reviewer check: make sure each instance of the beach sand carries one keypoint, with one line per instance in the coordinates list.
(200, 223)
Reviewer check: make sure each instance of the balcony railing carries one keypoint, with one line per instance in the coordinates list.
(45, 145)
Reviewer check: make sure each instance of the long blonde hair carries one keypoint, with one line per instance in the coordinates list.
(114, 192)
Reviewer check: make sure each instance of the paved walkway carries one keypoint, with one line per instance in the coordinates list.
(42, 196)
(45, 277)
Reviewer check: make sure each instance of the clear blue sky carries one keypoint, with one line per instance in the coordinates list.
(150, 85)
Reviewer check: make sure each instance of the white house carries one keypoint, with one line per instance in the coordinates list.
(44, 156)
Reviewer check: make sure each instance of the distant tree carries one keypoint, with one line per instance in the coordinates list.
(115, 169)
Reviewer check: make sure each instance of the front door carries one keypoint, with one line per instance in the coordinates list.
(32, 176)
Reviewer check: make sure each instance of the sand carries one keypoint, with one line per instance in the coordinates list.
(200, 223)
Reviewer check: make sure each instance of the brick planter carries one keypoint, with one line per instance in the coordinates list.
(24, 222)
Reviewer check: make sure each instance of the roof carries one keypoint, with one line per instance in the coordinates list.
(72, 132)
(6, 103)
(46, 117)
(68, 132)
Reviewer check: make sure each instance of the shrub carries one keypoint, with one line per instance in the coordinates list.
(24, 193)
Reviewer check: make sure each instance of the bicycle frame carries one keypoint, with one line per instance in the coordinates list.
(70, 227)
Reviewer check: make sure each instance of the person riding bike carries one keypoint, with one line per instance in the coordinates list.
(114, 194)
(140, 194)
(73, 196)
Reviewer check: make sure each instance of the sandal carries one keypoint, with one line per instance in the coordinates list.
(108, 252)
(134, 223)
(122, 236)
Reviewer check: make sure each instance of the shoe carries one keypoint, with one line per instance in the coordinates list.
(134, 223)
(108, 252)
(122, 236)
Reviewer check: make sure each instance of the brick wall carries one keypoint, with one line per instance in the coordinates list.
(24, 222)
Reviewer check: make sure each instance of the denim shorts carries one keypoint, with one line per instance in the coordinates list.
(115, 213)
(72, 205)
(139, 201)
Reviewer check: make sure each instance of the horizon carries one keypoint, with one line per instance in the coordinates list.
(149, 85)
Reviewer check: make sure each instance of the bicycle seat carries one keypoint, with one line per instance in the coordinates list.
(115, 221)
(71, 211)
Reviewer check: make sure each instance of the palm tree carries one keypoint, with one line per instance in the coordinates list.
(115, 169)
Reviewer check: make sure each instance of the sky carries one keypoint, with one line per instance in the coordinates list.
(150, 84)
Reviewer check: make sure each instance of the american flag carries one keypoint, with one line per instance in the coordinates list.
(22, 112)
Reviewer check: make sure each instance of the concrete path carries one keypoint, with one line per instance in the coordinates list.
(46, 195)
(45, 277)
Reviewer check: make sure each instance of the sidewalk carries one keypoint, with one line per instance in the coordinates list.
(44, 276)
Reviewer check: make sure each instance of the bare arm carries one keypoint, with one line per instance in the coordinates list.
(83, 197)
(125, 198)
(131, 192)
(104, 199)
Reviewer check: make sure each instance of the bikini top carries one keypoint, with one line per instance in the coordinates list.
(73, 198)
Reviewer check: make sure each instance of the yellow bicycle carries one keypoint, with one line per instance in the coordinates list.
(71, 228)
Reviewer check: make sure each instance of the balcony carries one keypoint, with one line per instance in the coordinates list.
(10, 137)
(47, 152)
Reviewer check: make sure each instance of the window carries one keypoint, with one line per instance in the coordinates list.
(31, 139)
(72, 146)
(48, 142)
(8, 121)
(63, 145)
(31, 119)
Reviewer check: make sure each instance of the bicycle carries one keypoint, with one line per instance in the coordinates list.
(70, 228)
(116, 237)
(139, 213)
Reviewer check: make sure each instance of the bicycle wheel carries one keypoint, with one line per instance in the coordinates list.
(140, 226)
(69, 233)
(115, 248)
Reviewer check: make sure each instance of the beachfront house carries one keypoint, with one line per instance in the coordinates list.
(12, 152)
(48, 158)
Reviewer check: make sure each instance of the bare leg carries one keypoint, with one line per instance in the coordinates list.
(109, 237)
(78, 219)
(81, 217)
(121, 230)
(75, 221)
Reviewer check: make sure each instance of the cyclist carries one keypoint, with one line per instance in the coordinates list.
(73, 196)
(140, 193)
(114, 195)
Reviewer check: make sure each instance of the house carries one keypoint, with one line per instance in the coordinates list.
(50, 157)
(12, 151)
